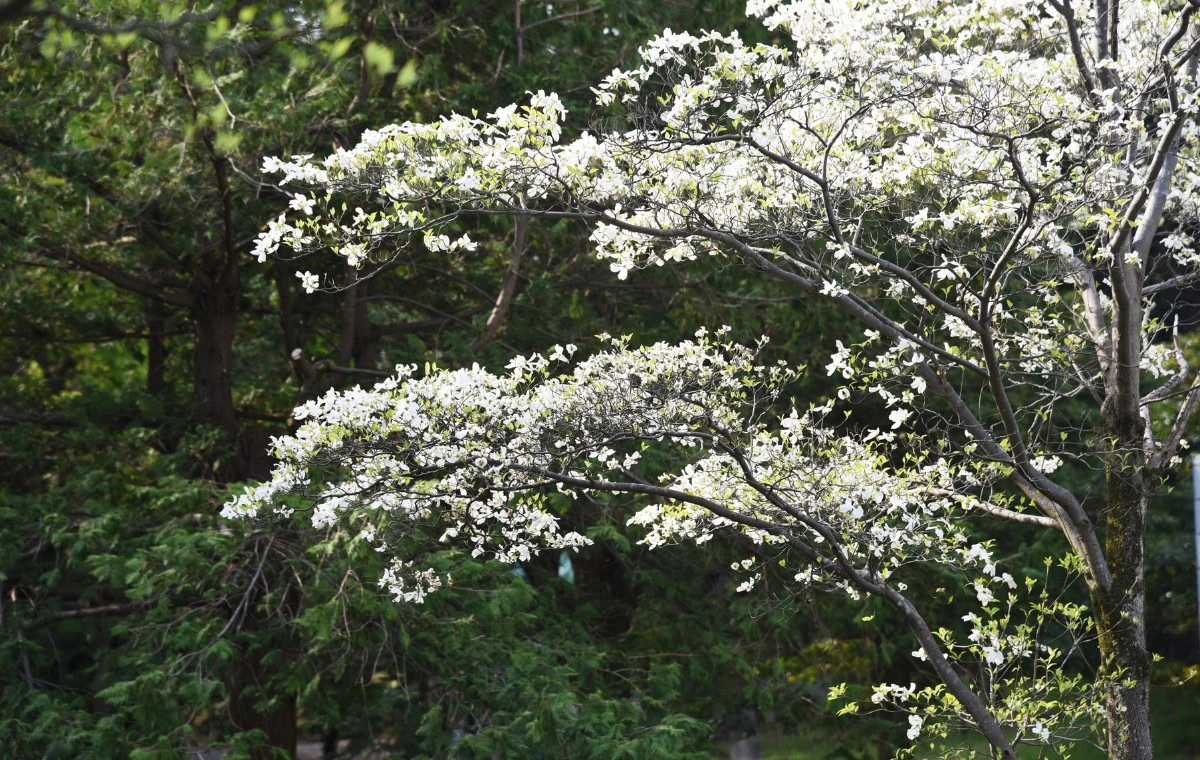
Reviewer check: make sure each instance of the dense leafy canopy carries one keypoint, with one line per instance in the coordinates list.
(150, 357)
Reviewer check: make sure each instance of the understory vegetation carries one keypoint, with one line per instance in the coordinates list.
(160, 369)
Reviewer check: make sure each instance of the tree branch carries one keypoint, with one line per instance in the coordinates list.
(560, 17)
(122, 279)
(507, 290)
(1089, 83)
(103, 610)
(986, 722)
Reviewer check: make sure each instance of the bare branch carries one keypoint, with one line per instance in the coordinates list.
(122, 279)
(507, 290)
(1089, 83)
(561, 17)
(103, 610)
(974, 705)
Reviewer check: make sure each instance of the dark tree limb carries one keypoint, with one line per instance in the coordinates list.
(103, 610)
(507, 290)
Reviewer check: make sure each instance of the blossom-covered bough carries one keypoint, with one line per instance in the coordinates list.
(995, 190)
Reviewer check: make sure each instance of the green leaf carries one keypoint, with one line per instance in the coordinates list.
(340, 48)
(379, 58)
(408, 74)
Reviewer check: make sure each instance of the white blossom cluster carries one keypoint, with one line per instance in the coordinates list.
(994, 202)
(933, 120)
(473, 456)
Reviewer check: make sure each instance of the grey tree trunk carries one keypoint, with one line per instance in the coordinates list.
(1120, 611)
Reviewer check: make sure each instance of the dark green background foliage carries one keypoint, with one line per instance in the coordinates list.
(147, 359)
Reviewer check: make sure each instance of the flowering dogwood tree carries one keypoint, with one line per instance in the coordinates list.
(993, 190)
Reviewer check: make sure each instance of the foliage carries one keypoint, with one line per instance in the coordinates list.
(995, 209)
(148, 359)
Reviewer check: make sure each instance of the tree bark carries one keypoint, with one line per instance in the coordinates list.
(247, 680)
(1120, 610)
(283, 289)
(349, 318)
(214, 315)
(507, 290)
(214, 312)
(365, 354)
(358, 346)
(156, 355)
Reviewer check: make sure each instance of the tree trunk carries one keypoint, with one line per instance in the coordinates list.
(366, 336)
(156, 359)
(287, 321)
(1120, 612)
(358, 346)
(214, 315)
(279, 725)
(248, 680)
(349, 318)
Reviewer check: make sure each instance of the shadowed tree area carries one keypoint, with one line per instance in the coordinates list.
(149, 359)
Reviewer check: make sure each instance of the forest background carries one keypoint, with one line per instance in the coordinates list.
(146, 359)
